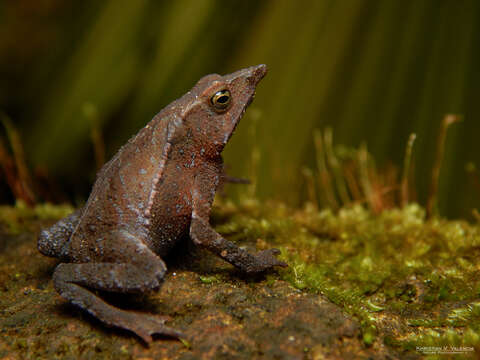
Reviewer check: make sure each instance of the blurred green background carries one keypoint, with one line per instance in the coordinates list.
(77, 74)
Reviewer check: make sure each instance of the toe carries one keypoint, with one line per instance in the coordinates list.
(275, 251)
(167, 331)
(145, 336)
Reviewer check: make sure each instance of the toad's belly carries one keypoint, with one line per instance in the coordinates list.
(167, 232)
(170, 218)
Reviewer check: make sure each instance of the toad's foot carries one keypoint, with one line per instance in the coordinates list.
(139, 271)
(265, 260)
(146, 325)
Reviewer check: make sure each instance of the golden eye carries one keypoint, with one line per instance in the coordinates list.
(221, 99)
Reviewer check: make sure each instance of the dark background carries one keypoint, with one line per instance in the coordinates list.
(75, 75)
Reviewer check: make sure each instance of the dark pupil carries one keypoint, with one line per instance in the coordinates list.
(222, 99)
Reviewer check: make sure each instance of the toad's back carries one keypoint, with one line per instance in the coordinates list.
(134, 192)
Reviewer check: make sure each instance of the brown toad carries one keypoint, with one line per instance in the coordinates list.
(158, 188)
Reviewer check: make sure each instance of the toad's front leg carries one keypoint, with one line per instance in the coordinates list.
(138, 270)
(202, 234)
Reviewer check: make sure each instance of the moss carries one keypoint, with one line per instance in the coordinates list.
(20, 217)
(410, 282)
(407, 282)
(209, 279)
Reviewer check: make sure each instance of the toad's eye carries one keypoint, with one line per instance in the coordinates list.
(221, 99)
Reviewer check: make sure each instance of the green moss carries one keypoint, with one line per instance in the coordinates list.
(410, 282)
(19, 217)
(209, 279)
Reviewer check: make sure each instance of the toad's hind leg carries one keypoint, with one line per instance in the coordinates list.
(52, 242)
(144, 271)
